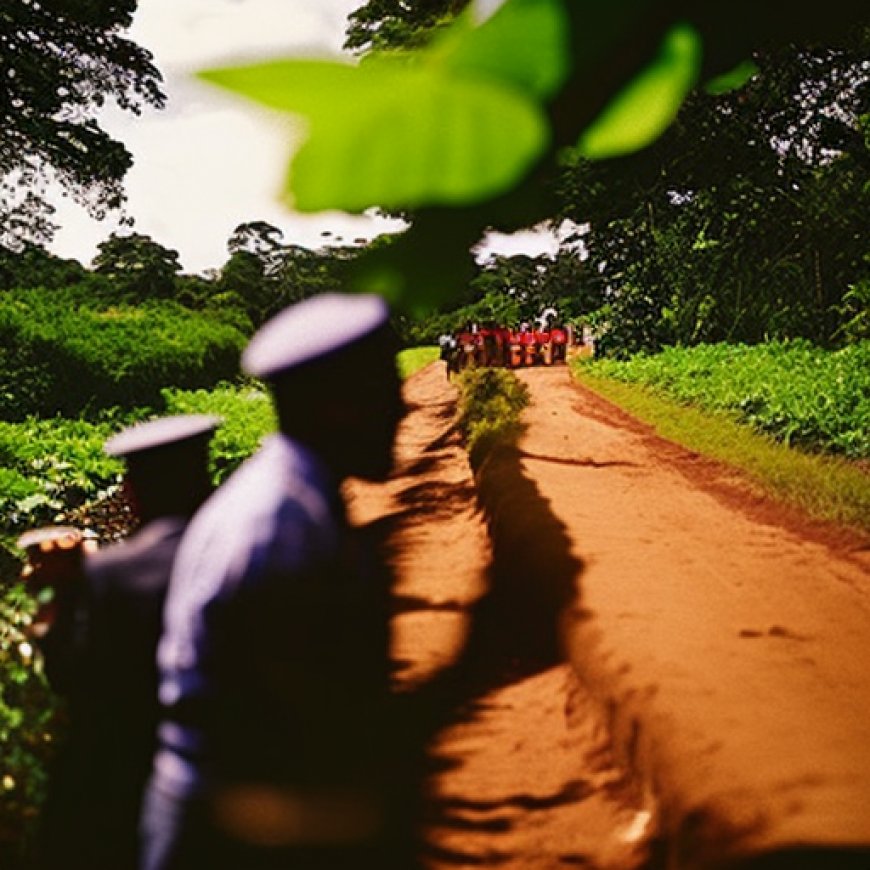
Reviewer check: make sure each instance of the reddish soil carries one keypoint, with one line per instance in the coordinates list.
(720, 637)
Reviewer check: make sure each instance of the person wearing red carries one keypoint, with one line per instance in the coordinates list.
(516, 348)
(529, 346)
(486, 350)
(559, 341)
(467, 339)
(545, 349)
(503, 345)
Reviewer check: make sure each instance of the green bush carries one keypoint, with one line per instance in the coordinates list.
(48, 466)
(74, 359)
(490, 403)
(800, 394)
(28, 725)
(248, 415)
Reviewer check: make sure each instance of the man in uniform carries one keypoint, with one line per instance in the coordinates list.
(273, 751)
(100, 650)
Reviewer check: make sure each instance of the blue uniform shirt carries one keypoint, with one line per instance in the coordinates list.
(259, 584)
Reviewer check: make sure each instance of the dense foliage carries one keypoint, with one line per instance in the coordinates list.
(796, 392)
(61, 356)
(490, 403)
(747, 220)
(60, 61)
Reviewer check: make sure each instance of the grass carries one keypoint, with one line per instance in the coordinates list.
(825, 487)
(413, 359)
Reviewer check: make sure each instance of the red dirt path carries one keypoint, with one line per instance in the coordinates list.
(721, 636)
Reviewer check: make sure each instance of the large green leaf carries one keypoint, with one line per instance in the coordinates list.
(457, 123)
(644, 109)
(525, 43)
(395, 134)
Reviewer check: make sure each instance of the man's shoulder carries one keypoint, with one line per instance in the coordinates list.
(274, 503)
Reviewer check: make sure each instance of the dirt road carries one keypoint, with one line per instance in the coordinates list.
(721, 638)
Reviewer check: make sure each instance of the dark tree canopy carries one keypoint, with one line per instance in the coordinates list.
(747, 220)
(60, 61)
(386, 24)
(143, 268)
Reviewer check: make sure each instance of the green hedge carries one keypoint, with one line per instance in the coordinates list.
(490, 403)
(800, 394)
(74, 359)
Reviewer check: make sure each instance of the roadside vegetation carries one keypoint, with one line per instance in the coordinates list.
(415, 358)
(751, 421)
(490, 403)
(799, 394)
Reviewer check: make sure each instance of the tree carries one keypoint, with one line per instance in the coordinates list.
(392, 24)
(259, 238)
(61, 61)
(142, 268)
(34, 266)
(744, 221)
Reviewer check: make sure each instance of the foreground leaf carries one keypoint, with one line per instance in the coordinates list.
(392, 134)
(524, 44)
(644, 109)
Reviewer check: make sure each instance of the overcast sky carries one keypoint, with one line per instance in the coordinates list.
(209, 161)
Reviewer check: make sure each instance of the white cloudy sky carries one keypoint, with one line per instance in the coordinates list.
(209, 161)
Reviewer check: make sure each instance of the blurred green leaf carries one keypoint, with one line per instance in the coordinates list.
(732, 80)
(394, 135)
(525, 43)
(457, 123)
(642, 111)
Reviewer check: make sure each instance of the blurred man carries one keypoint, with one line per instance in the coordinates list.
(100, 650)
(274, 663)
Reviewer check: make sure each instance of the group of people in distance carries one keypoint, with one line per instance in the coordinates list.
(490, 344)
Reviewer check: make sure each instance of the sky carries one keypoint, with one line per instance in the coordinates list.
(210, 161)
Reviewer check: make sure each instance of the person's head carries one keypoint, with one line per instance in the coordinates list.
(166, 464)
(330, 363)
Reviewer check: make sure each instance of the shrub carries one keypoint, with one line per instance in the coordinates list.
(490, 404)
(57, 358)
(800, 394)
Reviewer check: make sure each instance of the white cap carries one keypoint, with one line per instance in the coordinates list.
(311, 330)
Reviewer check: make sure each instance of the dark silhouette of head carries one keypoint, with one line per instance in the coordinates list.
(166, 464)
(330, 363)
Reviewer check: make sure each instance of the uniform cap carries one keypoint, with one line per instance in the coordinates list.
(312, 330)
(163, 432)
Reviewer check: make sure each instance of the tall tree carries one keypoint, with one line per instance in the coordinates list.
(33, 266)
(60, 61)
(745, 220)
(391, 24)
(142, 268)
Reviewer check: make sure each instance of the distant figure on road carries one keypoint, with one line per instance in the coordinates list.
(273, 751)
(449, 352)
(100, 650)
